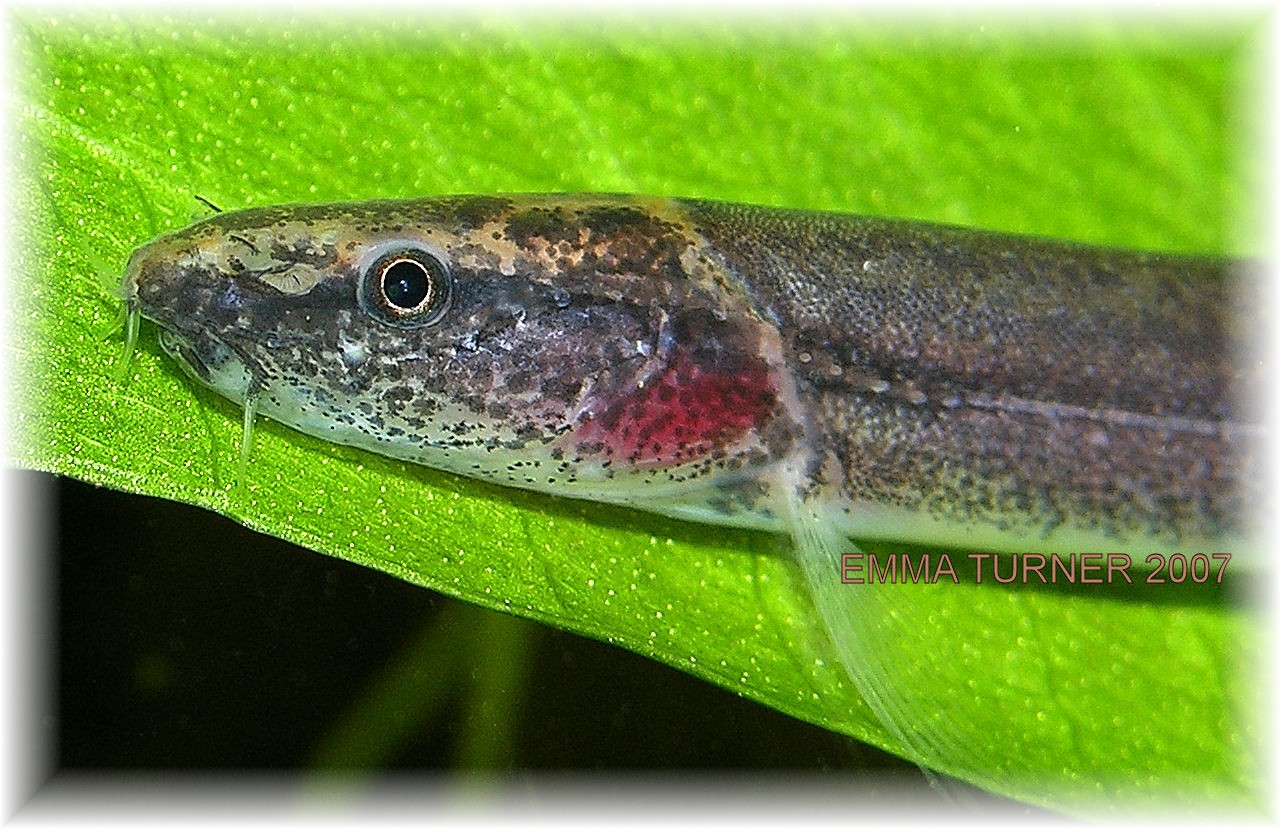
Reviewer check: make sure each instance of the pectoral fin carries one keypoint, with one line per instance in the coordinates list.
(877, 651)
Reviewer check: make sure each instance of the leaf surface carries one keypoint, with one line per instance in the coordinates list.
(1115, 134)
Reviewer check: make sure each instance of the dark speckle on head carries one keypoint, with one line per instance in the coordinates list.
(476, 211)
(547, 222)
(602, 238)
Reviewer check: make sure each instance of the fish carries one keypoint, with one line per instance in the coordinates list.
(826, 376)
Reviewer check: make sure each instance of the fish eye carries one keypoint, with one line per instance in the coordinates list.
(407, 288)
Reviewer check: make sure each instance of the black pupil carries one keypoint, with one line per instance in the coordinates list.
(406, 284)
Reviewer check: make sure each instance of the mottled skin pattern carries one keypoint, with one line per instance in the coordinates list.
(925, 383)
(1030, 386)
(592, 347)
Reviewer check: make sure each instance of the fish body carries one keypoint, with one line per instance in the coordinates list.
(929, 383)
(823, 375)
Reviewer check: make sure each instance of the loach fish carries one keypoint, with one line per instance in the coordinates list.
(822, 375)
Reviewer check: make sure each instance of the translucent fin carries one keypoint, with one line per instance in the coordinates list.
(247, 439)
(868, 631)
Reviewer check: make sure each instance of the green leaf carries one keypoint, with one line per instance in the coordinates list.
(1116, 133)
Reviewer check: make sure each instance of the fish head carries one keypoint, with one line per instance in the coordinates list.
(536, 341)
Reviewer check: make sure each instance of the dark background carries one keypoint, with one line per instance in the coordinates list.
(186, 641)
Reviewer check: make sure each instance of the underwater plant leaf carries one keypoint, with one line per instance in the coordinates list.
(1119, 135)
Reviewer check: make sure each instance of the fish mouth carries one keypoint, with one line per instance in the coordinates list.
(209, 361)
(181, 349)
